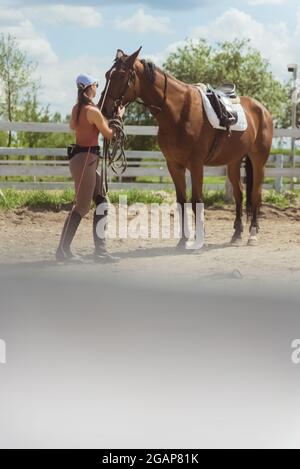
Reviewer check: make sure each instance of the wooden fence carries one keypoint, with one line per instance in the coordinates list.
(141, 164)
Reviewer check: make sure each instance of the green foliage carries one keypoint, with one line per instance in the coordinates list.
(19, 100)
(3, 139)
(235, 62)
(15, 79)
(284, 200)
(137, 114)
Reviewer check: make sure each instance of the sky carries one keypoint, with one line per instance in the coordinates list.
(72, 37)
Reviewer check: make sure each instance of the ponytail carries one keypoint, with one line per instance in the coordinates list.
(82, 100)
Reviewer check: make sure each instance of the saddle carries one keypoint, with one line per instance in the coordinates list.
(221, 100)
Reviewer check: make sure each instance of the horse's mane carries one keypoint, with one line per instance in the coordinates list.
(151, 69)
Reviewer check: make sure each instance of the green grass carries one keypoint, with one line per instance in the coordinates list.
(213, 198)
(58, 200)
(43, 200)
(283, 151)
(137, 196)
(284, 200)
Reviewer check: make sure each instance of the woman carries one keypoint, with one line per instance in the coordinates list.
(87, 121)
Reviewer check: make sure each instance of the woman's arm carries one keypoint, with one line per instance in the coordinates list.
(95, 116)
(72, 122)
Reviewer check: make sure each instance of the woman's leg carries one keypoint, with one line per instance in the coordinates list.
(100, 216)
(100, 221)
(83, 170)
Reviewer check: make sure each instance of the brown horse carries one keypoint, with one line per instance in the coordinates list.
(186, 137)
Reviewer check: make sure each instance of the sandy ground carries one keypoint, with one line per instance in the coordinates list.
(108, 355)
(29, 238)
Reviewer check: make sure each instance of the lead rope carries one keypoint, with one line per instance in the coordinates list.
(113, 153)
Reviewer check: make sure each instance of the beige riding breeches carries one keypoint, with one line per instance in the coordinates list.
(87, 180)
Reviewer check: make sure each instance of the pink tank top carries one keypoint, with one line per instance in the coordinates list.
(86, 134)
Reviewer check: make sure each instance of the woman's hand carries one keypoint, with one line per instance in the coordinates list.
(121, 111)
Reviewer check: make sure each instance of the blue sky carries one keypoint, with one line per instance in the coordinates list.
(70, 37)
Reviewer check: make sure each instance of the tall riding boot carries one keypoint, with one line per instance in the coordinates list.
(70, 227)
(100, 222)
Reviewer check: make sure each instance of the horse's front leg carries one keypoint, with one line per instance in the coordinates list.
(197, 170)
(177, 173)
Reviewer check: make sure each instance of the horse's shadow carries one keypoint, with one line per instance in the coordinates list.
(145, 252)
(169, 251)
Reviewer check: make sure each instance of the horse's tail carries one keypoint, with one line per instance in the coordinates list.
(249, 185)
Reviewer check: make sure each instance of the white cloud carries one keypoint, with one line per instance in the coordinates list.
(9, 16)
(267, 2)
(160, 57)
(30, 41)
(143, 23)
(275, 41)
(59, 88)
(83, 16)
(57, 76)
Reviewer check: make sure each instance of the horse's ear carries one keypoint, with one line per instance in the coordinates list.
(132, 58)
(120, 54)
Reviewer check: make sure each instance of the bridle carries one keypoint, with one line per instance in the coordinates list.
(118, 101)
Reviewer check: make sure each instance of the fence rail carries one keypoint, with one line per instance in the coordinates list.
(130, 129)
(141, 164)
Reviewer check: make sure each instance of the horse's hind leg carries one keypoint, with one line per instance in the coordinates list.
(258, 168)
(196, 170)
(234, 175)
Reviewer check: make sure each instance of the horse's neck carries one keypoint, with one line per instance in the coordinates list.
(153, 94)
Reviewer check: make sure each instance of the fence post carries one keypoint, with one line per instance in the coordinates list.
(228, 189)
(279, 179)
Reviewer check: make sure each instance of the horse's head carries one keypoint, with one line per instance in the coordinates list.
(120, 78)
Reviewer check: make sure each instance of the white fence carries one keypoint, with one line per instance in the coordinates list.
(141, 164)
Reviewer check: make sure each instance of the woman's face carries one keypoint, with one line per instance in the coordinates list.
(92, 90)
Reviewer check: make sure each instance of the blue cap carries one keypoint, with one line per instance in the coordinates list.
(85, 80)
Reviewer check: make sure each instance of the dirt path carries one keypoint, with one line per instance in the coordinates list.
(31, 237)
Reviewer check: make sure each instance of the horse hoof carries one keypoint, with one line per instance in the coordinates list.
(253, 241)
(194, 245)
(181, 244)
(236, 241)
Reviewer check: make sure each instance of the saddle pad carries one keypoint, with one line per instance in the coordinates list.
(241, 124)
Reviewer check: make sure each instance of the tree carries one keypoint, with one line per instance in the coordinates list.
(235, 62)
(19, 98)
(15, 79)
(31, 111)
(137, 114)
